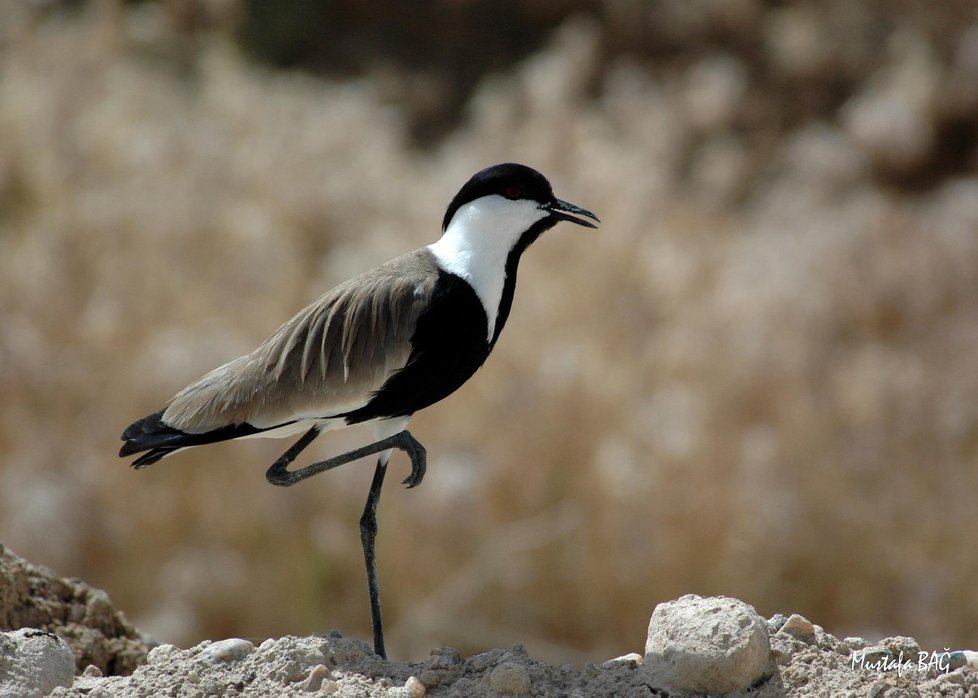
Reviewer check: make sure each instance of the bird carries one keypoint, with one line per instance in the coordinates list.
(374, 350)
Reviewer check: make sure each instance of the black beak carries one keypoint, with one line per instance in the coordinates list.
(561, 210)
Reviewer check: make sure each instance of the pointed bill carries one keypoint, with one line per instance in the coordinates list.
(561, 210)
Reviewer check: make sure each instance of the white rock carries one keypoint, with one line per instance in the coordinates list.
(228, 650)
(34, 663)
(415, 688)
(706, 645)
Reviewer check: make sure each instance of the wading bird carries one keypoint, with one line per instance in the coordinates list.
(375, 349)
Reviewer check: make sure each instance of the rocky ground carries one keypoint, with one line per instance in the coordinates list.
(65, 639)
(98, 635)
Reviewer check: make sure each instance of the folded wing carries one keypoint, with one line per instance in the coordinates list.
(326, 361)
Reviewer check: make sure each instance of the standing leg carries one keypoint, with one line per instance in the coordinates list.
(279, 474)
(368, 535)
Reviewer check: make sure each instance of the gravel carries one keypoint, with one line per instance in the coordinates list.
(98, 634)
(695, 646)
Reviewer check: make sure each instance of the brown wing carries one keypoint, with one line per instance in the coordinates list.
(327, 360)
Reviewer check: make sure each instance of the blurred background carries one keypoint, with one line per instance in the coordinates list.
(759, 378)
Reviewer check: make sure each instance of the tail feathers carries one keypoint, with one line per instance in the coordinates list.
(153, 455)
(147, 433)
(154, 435)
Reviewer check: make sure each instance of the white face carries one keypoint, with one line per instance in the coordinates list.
(478, 241)
(504, 220)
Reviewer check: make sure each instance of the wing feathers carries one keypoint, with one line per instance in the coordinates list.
(329, 359)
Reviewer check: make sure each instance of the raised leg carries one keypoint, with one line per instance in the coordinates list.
(279, 474)
(368, 536)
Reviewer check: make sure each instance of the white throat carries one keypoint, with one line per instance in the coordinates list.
(478, 241)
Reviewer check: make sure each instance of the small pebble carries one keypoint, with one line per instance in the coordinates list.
(228, 650)
(854, 643)
(404, 692)
(510, 678)
(633, 658)
(161, 653)
(317, 675)
(415, 687)
(799, 628)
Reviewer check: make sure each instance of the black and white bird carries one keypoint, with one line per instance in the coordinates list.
(375, 349)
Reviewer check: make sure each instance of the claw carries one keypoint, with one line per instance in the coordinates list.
(418, 457)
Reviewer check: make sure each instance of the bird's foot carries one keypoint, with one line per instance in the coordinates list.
(416, 452)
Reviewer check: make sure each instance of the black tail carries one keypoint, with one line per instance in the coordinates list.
(153, 435)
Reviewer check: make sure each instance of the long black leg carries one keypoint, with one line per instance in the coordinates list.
(279, 474)
(368, 536)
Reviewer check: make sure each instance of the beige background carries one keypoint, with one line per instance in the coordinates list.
(758, 379)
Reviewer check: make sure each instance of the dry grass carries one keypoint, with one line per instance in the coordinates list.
(758, 379)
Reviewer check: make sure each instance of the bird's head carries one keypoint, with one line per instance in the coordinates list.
(494, 217)
(511, 200)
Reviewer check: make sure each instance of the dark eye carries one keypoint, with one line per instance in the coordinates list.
(514, 191)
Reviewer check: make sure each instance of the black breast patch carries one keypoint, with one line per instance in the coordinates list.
(449, 344)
